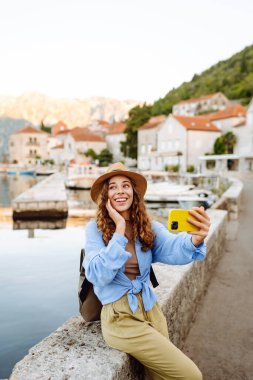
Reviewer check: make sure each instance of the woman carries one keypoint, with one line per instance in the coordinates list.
(120, 247)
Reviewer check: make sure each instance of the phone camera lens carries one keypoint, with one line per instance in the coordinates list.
(174, 225)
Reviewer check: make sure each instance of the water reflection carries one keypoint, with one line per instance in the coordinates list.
(12, 186)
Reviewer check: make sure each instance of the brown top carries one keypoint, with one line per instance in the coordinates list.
(131, 266)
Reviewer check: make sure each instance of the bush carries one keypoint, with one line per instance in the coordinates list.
(171, 168)
(190, 169)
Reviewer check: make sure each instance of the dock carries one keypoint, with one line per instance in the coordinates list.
(45, 201)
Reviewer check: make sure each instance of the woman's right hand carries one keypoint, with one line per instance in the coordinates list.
(117, 218)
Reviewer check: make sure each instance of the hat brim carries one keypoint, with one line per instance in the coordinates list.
(140, 182)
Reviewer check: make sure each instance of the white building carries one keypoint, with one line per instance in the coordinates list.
(177, 140)
(242, 159)
(231, 116)
(147, 142)
(194, 106)
(77, 141)
(113, 139)
(27, 145)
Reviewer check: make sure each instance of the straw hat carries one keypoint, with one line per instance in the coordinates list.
(118, 169)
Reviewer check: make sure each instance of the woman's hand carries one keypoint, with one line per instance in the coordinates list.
(202, 222)
(117, 218)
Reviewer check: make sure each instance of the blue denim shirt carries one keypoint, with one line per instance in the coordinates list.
(105, 265)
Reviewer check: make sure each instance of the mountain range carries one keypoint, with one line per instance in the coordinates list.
(37, 107)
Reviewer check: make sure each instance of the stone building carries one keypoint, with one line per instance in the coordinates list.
(192, 107)
(27, 145)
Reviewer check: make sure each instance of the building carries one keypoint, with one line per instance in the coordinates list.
(242, 159)
(9, 125)
(27, 145)
(147, 142)
(77, 141)
(194, 106)
(175, 140)
(113, 139)
(58, 128)
(231, 116)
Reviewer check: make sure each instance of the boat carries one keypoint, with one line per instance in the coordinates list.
(82, 176)
(19, 170)
(165, 191)
(45, 171)
(186, 195)
(187, 202)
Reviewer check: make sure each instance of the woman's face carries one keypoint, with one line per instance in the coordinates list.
(120, 193)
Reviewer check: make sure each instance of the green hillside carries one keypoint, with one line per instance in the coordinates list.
(233, 77)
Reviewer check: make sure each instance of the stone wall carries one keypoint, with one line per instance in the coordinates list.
(231, 199)
(77, 350)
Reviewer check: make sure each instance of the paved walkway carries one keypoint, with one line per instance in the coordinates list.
(221, 339)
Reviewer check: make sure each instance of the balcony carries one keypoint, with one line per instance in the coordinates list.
(32, 143)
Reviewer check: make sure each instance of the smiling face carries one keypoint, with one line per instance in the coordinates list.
(120, 193)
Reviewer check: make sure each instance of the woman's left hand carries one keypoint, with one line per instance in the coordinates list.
(203, 223)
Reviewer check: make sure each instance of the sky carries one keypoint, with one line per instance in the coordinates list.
(123, 49)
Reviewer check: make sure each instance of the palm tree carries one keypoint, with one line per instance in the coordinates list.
(229, 140)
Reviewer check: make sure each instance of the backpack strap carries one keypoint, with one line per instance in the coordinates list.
(153, 278)
(81, 260)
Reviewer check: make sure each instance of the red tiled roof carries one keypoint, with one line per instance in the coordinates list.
(153, 122)
(59, 128)
(29, 129)
(83, 134)
(60, 146)
(104, 123)
(63, 132)
(241, 123)
(60, 124)
(117, 128)
(235, 110)
(203, 97)
(197, 123)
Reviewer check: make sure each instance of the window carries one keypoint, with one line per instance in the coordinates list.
(170, 145)
(143, 149)
(149, 148)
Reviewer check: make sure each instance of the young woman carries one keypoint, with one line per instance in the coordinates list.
(120, 246)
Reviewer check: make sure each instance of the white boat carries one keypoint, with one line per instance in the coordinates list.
(187, 202)
(165, 191)
(81, 177)
(186, 195)
(45, 171)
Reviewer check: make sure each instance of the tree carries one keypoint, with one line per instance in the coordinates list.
(44, 128)
(91, 153)
(229, 140)
(225, 144)
(219, 147)
(105, 157)
(138, 116)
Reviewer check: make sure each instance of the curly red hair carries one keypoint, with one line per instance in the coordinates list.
(139, 219)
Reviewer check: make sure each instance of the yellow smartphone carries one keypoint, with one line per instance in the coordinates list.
(177, 221)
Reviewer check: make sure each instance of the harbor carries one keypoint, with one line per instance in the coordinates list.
(41, 265)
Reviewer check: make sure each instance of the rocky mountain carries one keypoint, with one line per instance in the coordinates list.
(37, 107)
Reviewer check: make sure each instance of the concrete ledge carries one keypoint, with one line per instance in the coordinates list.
(45, 201)
(77, 350)
(231, 199)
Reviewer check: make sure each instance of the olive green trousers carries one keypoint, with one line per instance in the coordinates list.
(144, 335)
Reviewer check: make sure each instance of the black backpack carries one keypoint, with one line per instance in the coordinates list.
(89, 305)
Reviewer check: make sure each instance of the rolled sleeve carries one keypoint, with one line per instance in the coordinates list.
(102, 262)
(197, 253)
